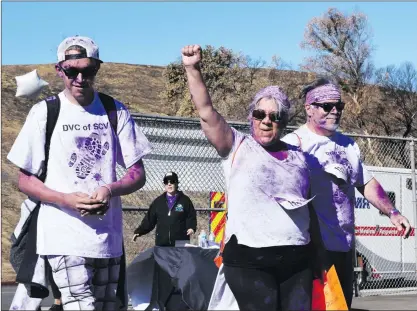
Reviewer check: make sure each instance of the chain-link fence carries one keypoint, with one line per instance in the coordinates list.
(387, 262)
(179, 145)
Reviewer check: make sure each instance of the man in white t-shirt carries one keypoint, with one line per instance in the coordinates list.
(335, 175)
(80, 228)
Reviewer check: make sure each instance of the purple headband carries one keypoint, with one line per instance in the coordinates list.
(273, 91)
(323, 93)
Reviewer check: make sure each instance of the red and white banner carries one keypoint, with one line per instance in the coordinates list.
(379, 231)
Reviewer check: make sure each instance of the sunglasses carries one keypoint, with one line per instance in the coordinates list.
(87, 72)
(260, 114)
(327, 107)
(171, 182)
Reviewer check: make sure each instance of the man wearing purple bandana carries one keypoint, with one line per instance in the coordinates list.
(334, 180)
(172, 213)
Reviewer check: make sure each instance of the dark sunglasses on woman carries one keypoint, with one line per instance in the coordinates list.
(260, 114)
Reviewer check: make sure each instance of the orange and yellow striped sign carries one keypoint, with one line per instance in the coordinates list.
(217, 219)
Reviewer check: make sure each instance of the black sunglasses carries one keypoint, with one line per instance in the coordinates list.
(172, 182)
(260, 114)
(327, 107)
(87, 72)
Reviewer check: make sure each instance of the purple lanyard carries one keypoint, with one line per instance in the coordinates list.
(171, 202)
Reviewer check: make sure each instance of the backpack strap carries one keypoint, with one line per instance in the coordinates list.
(53, 105)
(111, 110)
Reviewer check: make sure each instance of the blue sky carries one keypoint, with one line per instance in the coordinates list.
(153, 33)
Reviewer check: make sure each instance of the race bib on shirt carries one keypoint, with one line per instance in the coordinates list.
(290, 204)
(337, 170)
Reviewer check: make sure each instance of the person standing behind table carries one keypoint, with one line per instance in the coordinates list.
(172, 213)
(334, 180)
(174, 216)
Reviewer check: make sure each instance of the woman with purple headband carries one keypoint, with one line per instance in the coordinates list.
(267, 233)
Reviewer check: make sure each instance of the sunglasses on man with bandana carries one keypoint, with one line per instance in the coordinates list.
(327, 107)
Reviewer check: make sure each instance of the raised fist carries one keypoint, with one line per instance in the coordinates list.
(191, 55)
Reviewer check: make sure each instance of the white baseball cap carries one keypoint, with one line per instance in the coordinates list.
(85, 42)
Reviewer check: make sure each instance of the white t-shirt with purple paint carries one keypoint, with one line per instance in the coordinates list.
(336, 172)
(83, 156)
(266, 197)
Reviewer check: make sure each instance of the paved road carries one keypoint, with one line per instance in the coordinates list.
(388, 302)
(371, 303)
(7, 293)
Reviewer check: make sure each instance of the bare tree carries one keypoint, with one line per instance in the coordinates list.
(344, 48)
(243, 80)
(399, 89)
(281, 73)
(398, 109)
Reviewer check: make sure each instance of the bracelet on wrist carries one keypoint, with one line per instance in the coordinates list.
(108, 188)
(394, 212)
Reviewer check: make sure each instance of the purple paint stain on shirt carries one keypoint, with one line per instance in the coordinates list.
(269, 181)
(79, 141)
(339, 196)
(345, 162)
(279, 155)
(97, 176)
(171, 200)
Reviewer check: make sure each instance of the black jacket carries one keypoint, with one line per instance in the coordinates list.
(170, 227)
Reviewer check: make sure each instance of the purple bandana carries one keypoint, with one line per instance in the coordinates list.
(323, 93)
(273, 91)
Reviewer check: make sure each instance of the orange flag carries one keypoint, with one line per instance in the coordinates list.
(328, 295)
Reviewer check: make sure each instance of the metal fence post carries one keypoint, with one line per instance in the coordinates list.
(413, 194)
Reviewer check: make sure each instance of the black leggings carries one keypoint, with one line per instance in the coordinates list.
(277, 278)
(343, 263)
